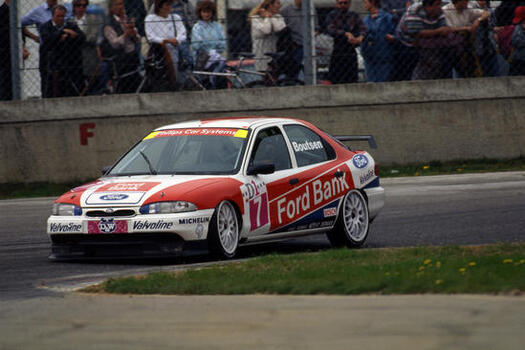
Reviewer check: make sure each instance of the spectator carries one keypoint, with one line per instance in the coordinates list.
(484, 44)
(425, 27)
(377, 45)
(405, 54)
(465, 20)
(396, 8)
(186, 11)
(38, 16)
(136, 11)
(62, 43)
(293, 17)
(166, 29)
(505, 12)
(348, 31)
(119, 43)
(208, 42)
(517, 66)
(266, 23)
(89, 25)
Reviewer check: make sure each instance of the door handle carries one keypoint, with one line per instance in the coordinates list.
(339, 174)
(293, 181)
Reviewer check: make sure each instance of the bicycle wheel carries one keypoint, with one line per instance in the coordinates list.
(256, 84)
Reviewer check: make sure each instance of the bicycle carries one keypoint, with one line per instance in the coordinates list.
(233, 73)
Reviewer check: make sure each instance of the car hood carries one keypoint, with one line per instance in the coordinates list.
(134, 190)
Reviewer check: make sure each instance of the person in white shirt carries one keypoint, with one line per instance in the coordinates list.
(166, 29)
(266, 23)
(464, 19)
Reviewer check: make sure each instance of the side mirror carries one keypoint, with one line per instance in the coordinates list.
(261, 168)
(106, 169)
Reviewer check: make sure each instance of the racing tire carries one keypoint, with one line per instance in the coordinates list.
(353, 224)
(223, 234)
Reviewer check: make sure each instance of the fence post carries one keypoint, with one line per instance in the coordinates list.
(14, 49)
(308, 46)
(222, 18)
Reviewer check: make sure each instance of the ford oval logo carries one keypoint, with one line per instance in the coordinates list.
(114, 197)
(360, 161)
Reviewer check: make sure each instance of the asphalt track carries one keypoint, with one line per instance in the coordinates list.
(37, 311)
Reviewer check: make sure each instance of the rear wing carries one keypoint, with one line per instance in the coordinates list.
(369, 138)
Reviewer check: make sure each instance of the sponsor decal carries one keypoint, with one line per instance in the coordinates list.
(360, 161)
(307, 146)
(199, 230)
(128, 187)
(367, 176)
(114, 197)
(152, 225)
(191, 221)
(256, 196)
(198, 132)
(67, 227)
(108, 225)
(328, 212)
(312, 225)
(311, 196)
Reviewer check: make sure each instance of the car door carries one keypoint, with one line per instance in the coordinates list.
(269, 147)
(318, 183)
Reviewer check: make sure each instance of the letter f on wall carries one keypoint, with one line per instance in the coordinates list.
(85, 133)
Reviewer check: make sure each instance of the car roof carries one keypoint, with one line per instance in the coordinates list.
(248, 122)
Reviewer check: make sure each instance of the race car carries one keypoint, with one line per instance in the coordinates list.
(215, 185)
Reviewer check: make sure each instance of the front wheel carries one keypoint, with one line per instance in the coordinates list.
(351, 228)
(223, 236)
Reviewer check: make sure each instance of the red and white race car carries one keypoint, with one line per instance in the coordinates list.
(214, 185)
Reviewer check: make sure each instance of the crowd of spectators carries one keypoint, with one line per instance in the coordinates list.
(397, 39)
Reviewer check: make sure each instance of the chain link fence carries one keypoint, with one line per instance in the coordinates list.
(127, 46)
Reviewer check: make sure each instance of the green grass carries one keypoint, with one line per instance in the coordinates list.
(41, 189)
(496, 268)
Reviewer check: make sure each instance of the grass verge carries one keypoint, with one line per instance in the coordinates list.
(498, 268)
(42, 189)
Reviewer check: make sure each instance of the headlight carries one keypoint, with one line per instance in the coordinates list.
(62, 209)
(168, 207)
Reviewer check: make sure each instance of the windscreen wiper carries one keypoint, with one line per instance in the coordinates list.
(151, 170)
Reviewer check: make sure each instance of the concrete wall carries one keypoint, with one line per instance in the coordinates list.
(40, 140)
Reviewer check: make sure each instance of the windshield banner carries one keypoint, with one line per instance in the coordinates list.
(199, 132)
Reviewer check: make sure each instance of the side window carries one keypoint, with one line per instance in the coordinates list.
(309, 148)
(270, 147)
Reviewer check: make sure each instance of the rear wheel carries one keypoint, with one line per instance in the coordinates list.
(351, 228)
(223, 236)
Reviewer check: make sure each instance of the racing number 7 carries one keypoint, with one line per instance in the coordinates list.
(259, 211)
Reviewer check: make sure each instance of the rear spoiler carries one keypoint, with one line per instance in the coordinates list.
(369, 138)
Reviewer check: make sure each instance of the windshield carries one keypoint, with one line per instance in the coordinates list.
(185, 151)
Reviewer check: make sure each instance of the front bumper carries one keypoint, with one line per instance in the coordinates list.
(133, 236)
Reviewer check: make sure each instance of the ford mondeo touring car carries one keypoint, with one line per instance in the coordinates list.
(215, 185)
